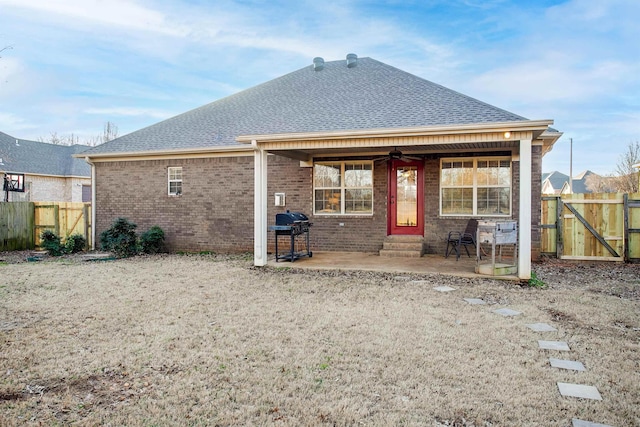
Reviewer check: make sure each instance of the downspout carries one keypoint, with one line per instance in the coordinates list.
(93, 202)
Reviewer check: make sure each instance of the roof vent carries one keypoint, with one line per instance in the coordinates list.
(318, 63)
(352, 60)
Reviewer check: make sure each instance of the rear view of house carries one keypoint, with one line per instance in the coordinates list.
(365, 150)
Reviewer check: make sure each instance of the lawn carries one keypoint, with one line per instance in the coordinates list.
(210, 340)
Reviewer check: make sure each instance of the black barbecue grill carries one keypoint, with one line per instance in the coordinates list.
(295, 225)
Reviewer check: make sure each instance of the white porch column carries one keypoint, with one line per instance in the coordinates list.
(524, 221)
(259, 206)
(94, 244)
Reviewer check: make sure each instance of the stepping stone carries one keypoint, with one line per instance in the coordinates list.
(541, 327)
(580, 423)
(567, 364)
(506, 312)
(578, 390)
(444, 288)
(474, 301)
(553, 345)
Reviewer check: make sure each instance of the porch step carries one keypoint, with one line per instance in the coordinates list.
(403, 246)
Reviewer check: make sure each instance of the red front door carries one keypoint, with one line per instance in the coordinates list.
(406, 198)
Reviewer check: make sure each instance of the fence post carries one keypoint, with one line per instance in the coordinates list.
(56, 219)
(625, 230)
(559, 227)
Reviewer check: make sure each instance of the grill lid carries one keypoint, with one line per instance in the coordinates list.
(289, 218)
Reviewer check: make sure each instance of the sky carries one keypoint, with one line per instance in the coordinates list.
(70, 66)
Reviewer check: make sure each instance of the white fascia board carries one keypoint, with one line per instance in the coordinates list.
(399, 132)
(235, 150)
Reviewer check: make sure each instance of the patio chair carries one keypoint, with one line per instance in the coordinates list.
(457, 240)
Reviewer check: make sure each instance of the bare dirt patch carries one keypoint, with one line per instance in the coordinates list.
(210, 340)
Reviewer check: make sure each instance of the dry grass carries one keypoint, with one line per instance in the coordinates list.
(202, 340)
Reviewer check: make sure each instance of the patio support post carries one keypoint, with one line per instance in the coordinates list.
(93, 204)
(524, 222)
(260, 206)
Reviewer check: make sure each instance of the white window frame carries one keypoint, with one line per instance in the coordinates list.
(172, 179)
(343, 187)
(475, 186)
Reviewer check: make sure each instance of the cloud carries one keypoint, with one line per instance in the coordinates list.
(112, 13)
(129, 111)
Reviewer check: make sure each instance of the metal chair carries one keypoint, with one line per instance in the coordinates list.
(457, 239)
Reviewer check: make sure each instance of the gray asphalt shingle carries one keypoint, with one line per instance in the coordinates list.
(368, 96)
(35, 157)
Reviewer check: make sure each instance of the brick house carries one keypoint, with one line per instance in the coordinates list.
(51, 173)
(364, 149)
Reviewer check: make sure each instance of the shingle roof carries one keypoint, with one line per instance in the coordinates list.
(24, 156)
(556, 179)
(368, 96)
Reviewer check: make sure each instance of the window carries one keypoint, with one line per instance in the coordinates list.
(343, 188)
(475, 187)
(175, 181)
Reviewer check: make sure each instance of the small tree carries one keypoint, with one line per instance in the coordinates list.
(627, 175)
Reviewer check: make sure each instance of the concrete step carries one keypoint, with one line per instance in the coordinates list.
(403, 239)
(403, 246)
(390, 253)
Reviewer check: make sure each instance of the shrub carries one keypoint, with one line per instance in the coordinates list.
(120, 238)
(75, 243)
(50, 241)
(152, 240)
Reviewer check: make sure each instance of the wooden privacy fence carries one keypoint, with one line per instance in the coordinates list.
(598, 226)
(21, 223)
(16, 226)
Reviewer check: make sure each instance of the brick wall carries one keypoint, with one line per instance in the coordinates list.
(215, 210)
(51, 189)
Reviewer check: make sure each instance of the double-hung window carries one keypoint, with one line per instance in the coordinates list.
(475, 186)
(343, 188)
(174, 175)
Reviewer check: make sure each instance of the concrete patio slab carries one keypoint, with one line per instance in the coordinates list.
(507, 312)
(444, 288)
(475, 301)
(567, 364)
(580, 423)
(553, 345)
(579, 390)
(541, 327)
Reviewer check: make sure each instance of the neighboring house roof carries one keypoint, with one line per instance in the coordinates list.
(580, 182)
(40, 158)
(371, 95)
(553, 182)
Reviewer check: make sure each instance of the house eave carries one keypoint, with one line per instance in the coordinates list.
(526, 125)
(200, 152)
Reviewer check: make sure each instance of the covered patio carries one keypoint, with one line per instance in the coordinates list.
(428, 264)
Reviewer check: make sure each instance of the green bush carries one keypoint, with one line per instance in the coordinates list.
(152, 240)
(75, 243)
(120, 238)
(536, 282)
(50, 242)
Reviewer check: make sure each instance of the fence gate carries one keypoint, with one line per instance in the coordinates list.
(64, 219)
(602, 227)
